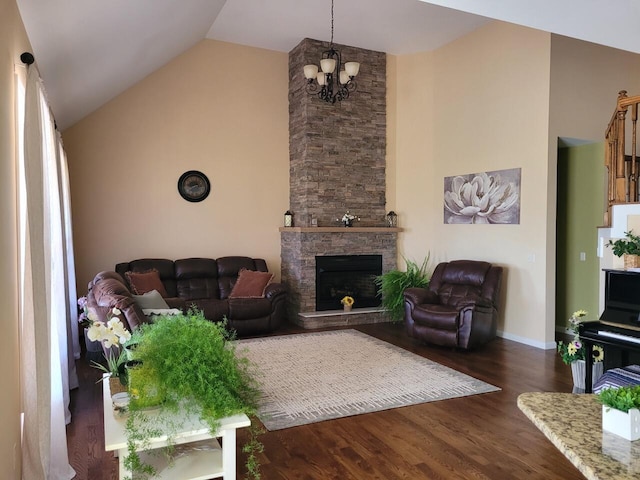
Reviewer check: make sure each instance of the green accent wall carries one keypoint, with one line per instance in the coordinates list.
(581, 193)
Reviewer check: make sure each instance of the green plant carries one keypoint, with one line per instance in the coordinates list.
(198, 372)
(114, 363)
(575, 350)
(391, 286)
(630, 245)
(623, 398)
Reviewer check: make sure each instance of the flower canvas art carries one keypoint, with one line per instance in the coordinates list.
(485, 198)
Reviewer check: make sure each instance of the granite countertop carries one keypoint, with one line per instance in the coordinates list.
(573, 423)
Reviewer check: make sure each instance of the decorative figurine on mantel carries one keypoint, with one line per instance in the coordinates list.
(348, 219)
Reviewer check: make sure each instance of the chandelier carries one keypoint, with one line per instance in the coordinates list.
(331, 83)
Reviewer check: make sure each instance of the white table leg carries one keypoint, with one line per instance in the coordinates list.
(229, 454)
(122, 471)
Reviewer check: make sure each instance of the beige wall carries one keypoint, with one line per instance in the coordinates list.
(499, 98)
(585, 81)
(13, 42)
(219, 108)
(494, 99)
(478, 104)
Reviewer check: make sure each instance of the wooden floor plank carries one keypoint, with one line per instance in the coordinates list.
(478, 437)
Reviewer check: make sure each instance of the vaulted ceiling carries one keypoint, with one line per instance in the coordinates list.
(90, 51)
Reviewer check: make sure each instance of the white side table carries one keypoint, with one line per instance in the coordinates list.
(212, 461)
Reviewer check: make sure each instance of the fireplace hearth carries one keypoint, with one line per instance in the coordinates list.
(341, 275)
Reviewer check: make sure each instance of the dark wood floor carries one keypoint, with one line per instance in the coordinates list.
(478, 437)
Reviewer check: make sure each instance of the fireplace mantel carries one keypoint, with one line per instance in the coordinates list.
(341, 229)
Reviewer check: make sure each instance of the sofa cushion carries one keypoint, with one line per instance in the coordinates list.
(152, 300)
(465, 272)
(143, 282)
(188, 268)
(195, 288)
(228, 270)
(214, 310)
(251, 284)
(164, 267)
(246, 309)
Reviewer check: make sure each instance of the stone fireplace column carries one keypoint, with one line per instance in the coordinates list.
(337, 163)
(337, 151)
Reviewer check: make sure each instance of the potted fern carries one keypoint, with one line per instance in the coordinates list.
(621, 411)
(193, 364)
(392, 284)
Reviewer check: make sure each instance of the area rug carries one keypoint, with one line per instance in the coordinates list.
(311, 377)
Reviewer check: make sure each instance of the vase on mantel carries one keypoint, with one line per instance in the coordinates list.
(578, 369)
(347, 308)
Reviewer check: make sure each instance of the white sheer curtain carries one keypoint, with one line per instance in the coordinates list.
(48, 297)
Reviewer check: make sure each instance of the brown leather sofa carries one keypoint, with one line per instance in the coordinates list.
(203, 283)
(459, 308)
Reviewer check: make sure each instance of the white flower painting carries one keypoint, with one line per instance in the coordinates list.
(487, 197)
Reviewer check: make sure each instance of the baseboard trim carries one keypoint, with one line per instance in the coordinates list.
(527, 341)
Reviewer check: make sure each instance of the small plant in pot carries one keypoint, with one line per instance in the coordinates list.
(574, 352)
(628, 248)
(391, 286)
(620, 411)
(197, 372)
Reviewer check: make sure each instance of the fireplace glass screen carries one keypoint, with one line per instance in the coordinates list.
(341, 275)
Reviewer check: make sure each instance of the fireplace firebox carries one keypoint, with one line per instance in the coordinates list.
(341, 275)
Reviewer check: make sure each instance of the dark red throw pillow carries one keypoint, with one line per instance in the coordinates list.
(143, 282)
(251, 284)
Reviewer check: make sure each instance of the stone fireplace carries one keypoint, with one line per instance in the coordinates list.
(337, 164)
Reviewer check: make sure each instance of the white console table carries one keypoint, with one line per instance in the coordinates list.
(207, 460)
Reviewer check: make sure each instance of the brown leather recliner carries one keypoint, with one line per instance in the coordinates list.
(459, 308)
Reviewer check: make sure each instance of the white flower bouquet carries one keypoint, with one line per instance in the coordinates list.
(110, 334)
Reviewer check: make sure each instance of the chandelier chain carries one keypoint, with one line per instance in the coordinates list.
(331, 22)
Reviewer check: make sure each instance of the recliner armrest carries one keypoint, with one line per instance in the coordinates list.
(475, 302)
(416, 296)
(274, 289)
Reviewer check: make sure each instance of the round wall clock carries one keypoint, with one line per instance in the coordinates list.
(194, 186)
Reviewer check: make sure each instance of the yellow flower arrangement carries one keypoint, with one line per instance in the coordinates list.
(348, 301)
(575, 350)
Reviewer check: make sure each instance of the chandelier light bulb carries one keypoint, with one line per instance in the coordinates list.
(310, 71)
(352, 68)
(328, 65)
(344, 78)
(322, 79)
